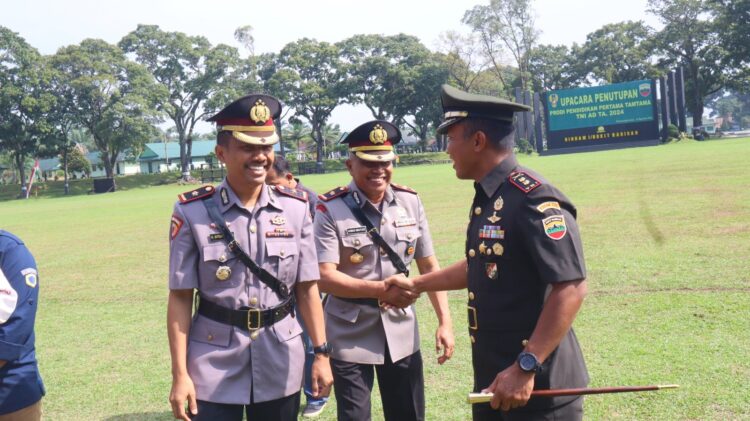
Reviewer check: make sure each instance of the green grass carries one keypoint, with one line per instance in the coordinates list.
(666, 234)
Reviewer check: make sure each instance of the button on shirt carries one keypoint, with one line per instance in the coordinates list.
(225, 362)
(359, 332)
(20, 382)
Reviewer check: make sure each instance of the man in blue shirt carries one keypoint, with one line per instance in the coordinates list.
(21, 387)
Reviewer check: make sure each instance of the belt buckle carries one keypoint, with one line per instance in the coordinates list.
(250, 313)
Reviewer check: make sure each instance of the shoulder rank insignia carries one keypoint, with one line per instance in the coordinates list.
(196, 194)
(288, 191)
(524, 181)
(338, 191)
(403, 188)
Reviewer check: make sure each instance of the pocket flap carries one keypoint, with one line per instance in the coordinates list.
(281, 249)
(210, 332)
(286, 328)
(408, 235)
(217, 252)
(342, 310)
(356, 241)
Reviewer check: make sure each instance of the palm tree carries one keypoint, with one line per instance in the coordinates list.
(296, 132)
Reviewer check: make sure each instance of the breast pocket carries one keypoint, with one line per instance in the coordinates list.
(282, 260)
(221, 268)
(407, 243)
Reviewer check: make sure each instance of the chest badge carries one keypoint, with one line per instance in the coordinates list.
(356, 258)
(492, 232)
(482, 248)
(410, 250)
(498, 249)
(278, 220)
(491, 270)
(499, 203)
(223, 273)
(494, 218)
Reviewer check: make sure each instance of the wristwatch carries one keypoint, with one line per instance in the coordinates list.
(528, 362)
(324, 349)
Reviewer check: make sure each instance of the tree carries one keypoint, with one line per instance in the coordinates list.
(77, 161)
(381, 72)
(505, 25)
(734, 23)
(617, 52)
(463, 57)
(296, 132)
(25, 100)
(423, 103)
(190, 69)
(113, 98)
(690, 39)
(309, 79)
(553, 67)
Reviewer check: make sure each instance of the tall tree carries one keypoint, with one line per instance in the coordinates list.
(553, 67)
(464, 58)
(423, 104)
(505, 25)
(25, 100)
(734, 23)
(114, 99)
(690, 39)
(617, 52)
(381, 71)
(309, 79)
(296, 132)
(190, 69)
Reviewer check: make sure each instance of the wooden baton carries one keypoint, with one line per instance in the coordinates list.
(486, 397)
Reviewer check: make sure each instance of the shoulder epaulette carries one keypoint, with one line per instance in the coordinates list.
(288, 191)
(338, 191)
(199, 193)
(524, 181)
(403, 188)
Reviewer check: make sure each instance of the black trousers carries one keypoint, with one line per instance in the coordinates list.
(401, 387)
(283, 409)
(572, 411)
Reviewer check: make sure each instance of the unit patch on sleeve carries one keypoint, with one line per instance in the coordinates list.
(524, 181)
(30, 276)
(548, 205)
(554, 227)
(175, 227)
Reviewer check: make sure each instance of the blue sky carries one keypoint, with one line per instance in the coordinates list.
(51, 24)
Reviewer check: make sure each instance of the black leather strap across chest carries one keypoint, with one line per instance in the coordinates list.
(271, 281)
(352, 202)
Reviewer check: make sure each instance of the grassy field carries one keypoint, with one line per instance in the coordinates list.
(666, 234)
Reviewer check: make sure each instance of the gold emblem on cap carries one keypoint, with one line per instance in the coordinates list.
(356, 258)
(260, 112)
(378, 134)
(223, 273)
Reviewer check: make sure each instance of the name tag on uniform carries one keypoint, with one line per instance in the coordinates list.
(355, 231)
(216, 237)
(405, 222)
(279, 233)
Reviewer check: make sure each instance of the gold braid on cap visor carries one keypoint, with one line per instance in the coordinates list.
(372, 148)
(256, 140)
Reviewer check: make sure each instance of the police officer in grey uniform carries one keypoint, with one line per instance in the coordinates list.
(365, 232)
(247, 250)
(524, 268)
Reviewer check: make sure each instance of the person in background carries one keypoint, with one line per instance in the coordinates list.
(21, 387)
(280, 174)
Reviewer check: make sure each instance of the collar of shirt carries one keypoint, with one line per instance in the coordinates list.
(495, 178)
(227, 198)
(388, 199)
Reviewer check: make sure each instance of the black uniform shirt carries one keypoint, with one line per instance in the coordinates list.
(522, 237)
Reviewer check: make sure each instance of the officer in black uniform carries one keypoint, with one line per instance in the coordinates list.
(524, 268)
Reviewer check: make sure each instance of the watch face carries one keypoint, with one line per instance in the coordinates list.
(527, 362)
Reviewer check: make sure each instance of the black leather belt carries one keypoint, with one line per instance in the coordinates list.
(366, 301)
(248, 319)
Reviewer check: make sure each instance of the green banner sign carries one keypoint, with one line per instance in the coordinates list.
(621, 103)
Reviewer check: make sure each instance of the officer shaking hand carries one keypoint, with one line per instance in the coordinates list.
(523, 268)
